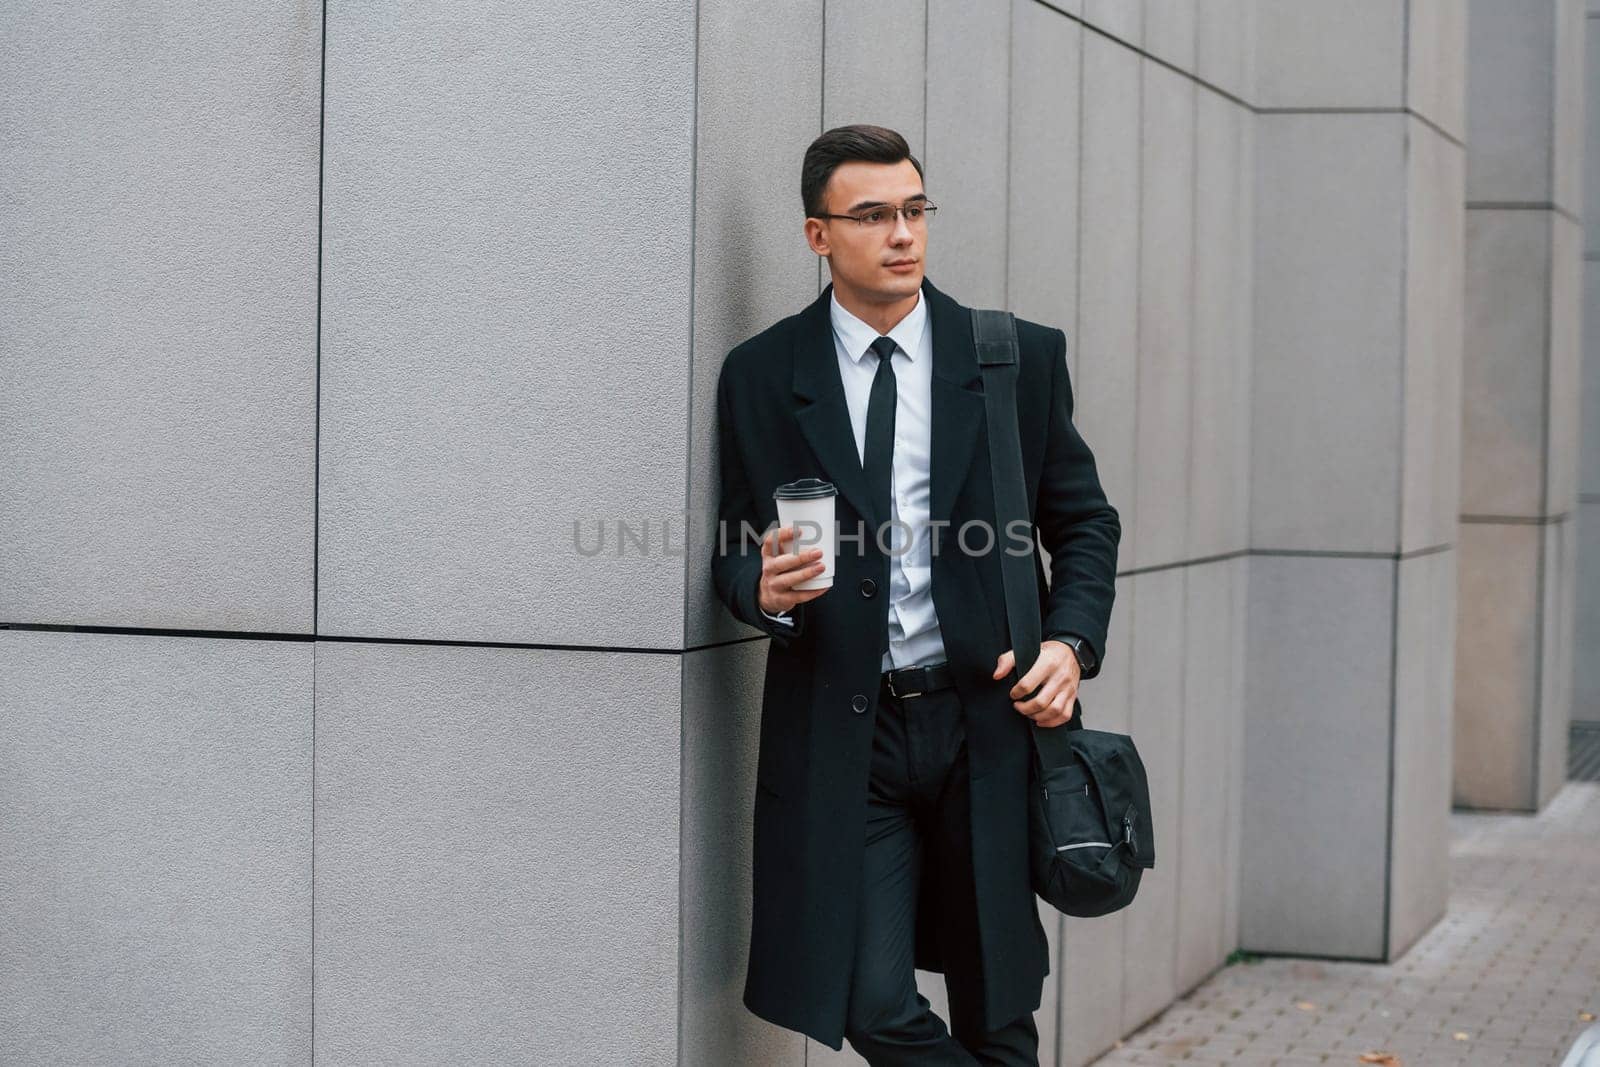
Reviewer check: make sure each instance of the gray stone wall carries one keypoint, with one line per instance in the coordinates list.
(1354, 475)
(324, 326)
(1520, 414)
(1586, 636)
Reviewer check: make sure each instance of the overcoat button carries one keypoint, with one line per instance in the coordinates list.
(868, 587)
(859, 703)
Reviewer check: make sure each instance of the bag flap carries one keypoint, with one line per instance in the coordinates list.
(1119, 775)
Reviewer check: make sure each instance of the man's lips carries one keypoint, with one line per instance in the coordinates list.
(904, 264)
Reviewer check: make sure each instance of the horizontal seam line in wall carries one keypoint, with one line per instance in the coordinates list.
(1524, 205)
(1226, 95)
(1335, 553)
(1514, 520)
(1331, 553)
(250, 635)
(1425, 120)
(1138, 50)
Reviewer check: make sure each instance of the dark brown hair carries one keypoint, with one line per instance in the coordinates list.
(872, 144)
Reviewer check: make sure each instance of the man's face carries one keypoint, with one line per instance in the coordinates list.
(883, 262)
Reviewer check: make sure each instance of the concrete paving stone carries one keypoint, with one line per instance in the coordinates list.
(1501, 1054)
(1500, 1058)
(1179, 1046)
(1511, 964)
(1126, 1057)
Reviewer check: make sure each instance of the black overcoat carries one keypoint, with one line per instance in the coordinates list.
(782, 416)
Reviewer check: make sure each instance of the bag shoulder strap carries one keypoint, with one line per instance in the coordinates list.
(994, 334)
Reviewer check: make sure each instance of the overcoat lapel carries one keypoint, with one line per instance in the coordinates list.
(957, 406)
(823, 415)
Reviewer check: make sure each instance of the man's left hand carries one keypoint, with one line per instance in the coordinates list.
(1055, 674)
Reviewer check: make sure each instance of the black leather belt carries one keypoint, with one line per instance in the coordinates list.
(914, 681)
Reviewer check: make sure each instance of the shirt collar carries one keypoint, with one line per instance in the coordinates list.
(857, 337)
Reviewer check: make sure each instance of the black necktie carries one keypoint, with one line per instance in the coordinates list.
(878, 462)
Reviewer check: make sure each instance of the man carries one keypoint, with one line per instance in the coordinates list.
(891, 809)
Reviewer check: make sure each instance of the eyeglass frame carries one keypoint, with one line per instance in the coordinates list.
(928, 208)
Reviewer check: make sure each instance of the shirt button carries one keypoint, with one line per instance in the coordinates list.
(868, 587)
(858, 703)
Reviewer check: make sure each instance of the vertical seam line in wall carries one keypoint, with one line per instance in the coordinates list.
(1077, 313)
(1011, 102)
(1132, 613)
(1555, 124)
(688, 476)
(822, 125)
(316, 498)
(1138, 268)
(1406, 355)
(1188, 474)
(1544, 423)
(1406, 163)
(313, 853)
(316, 398)
(1074, 348)
(1547, 346)
(1138, 259)
(927, 17)
(1394, 696)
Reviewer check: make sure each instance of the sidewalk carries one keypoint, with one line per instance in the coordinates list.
(1503, 979)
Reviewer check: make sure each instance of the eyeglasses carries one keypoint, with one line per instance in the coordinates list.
(917, 214)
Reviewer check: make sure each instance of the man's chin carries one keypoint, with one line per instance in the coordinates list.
(887, 285)
(905, 284)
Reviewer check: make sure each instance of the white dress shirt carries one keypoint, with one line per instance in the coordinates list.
(914, 636)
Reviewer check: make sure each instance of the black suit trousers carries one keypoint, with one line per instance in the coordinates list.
(918, 826)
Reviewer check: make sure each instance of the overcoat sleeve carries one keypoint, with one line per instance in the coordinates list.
(736, 560)
(1077, 525)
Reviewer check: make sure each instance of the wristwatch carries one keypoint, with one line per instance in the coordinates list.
(1086, 660)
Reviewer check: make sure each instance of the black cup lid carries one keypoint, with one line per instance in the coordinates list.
(804, 489)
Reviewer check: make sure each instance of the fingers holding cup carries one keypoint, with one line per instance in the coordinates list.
(782, 569)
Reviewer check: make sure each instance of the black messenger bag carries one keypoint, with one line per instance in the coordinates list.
(1089, 825)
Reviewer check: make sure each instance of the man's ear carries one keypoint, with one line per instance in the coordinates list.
(817, 239)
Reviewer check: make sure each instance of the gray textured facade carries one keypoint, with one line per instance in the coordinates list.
(1521, 404)
(324, 738)
(1586, 628)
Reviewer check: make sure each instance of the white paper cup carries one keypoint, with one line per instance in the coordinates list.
(807, 505)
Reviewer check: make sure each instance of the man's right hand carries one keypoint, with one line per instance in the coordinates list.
(782, 570)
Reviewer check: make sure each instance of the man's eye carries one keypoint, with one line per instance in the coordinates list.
(913, 212)
(872, 217)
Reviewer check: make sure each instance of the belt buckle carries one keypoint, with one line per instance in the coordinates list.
(896, 693)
